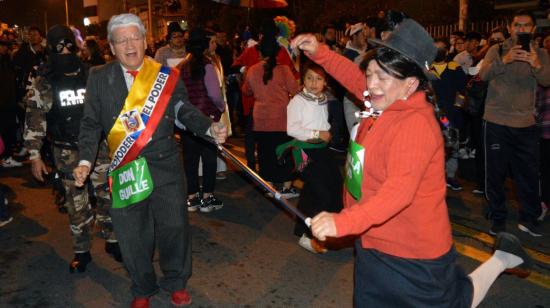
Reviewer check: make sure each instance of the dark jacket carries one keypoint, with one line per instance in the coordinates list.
(7, 83)
(447, 86)
(198, 94)
(26, 61)
(105, 95)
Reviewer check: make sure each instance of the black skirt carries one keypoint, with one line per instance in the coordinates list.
(383, 280)
(322, 187)
(270, 168)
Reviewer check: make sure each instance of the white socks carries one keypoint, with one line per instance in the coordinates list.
(484, 276)
(508, 259)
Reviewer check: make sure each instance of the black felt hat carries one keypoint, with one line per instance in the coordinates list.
(411, 40)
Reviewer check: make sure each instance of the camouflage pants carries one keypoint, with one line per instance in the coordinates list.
(77, 203)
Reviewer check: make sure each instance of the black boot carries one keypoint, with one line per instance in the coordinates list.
(114, 250)
(80, 262)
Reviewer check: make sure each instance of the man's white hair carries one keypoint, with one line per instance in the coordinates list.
(124, 20)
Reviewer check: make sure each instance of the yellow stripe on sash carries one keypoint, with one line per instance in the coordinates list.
(135, 99)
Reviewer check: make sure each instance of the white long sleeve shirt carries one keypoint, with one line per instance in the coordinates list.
(305, 116)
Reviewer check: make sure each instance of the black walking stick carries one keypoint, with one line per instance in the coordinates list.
(277, 195)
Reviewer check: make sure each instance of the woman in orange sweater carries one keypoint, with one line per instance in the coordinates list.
(272, 85)
(395, 184)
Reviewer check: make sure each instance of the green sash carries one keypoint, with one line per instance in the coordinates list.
(354, 169)
(298, 155)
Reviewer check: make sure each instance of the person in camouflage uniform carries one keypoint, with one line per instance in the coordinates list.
(54, 109)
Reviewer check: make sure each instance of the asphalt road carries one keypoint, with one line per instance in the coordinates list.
(244, 255)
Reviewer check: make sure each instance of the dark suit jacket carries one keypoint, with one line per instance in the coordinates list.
(105, 94)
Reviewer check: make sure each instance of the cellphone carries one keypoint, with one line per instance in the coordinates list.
(524, 39)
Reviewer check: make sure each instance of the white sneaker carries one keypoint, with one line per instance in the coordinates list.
(5, 222)
(311, 245)
(289, 193)
(10, 163)
(463, 153)
(472, 153)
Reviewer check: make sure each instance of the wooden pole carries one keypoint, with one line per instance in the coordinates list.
(67, 12)
(150, 20)
(463, 15)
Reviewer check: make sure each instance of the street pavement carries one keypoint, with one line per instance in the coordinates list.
(244, 255)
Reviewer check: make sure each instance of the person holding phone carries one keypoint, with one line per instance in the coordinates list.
(510, 134)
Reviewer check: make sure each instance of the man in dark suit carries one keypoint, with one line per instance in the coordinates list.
(163, 214)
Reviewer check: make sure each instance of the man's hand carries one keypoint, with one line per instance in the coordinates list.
(516, 54)
(323, 225)
(80, 174)
(38, 169)
(307, 43)
(219, 132)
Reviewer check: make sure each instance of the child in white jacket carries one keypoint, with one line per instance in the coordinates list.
(307, 122)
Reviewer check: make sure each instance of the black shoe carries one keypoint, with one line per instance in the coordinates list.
(289, 193)
(497, 227)
(194, 203)
(453, 184)
(478, 191)
(210, 204)
(509, 243)
(531, 228)
(80, 261)
(114, 250)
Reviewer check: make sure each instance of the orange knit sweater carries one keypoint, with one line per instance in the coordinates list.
(402, 211)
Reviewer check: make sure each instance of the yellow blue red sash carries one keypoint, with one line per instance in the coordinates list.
(143, 109)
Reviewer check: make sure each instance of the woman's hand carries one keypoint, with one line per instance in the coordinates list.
(306, 42)
(323, 225)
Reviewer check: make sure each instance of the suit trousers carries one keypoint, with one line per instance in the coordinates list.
(517, 149)
(162, 218)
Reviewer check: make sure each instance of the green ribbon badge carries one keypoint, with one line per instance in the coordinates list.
(354, 169)
(131, 183)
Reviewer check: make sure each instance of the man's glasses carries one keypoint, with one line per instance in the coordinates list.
(126, 40)
(70, 45)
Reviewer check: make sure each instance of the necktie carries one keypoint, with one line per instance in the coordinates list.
(133, 73)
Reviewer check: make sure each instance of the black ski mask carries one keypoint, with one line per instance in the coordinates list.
(65, 63)
(59, 38)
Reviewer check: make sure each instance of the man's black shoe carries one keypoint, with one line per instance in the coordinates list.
(497, 227)
(510, 243)
(114, 250)
(80, 261)
(531, 228)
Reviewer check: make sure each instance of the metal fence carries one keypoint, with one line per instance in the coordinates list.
(484, 27)
(438, 31)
